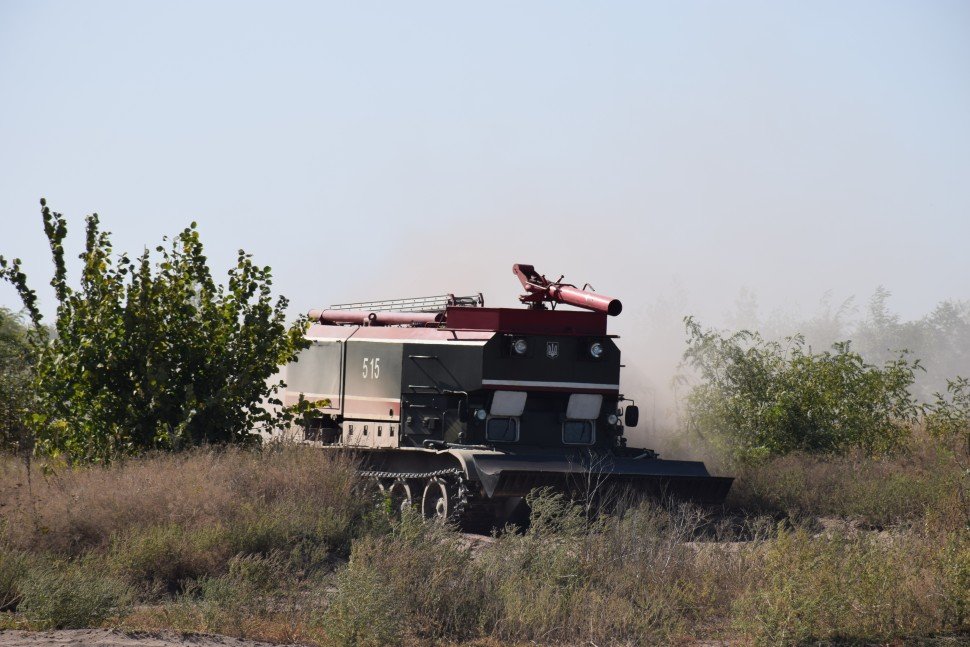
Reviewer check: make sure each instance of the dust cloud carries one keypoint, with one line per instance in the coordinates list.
(659, 284)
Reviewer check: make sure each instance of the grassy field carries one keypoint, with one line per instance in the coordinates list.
(285, 545)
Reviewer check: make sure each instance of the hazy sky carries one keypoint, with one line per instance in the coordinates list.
(369, 150)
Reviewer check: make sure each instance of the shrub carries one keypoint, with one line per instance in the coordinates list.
(234, 602)
(167, 556)
(418, 572)
(948, 418)
(364, 609)
(551, 513)
(259, 597)
(758, 398)
(70, 595)
(954, 578)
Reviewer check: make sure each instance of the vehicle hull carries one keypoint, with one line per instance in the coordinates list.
(495, 475)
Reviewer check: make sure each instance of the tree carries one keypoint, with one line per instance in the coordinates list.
(16, 381)
(150, 354)
(759, 398)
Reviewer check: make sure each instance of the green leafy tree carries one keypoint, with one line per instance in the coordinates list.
(156, 354)
(16, 382)
(758, 398)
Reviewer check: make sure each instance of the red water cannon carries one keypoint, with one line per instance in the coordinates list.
(539, 289)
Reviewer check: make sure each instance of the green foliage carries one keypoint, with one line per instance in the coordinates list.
(16, 381)
(154, 355)
(759, 398)
(552, 513)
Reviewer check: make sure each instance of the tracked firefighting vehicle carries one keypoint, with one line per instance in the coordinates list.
(461, 410)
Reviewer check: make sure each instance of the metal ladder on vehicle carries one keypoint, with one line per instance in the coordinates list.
(436, 303)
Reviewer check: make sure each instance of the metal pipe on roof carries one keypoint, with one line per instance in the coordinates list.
(369, 318)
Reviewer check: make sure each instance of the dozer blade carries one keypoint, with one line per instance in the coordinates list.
(517, 475)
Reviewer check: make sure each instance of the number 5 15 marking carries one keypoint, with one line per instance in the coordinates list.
(372, 368)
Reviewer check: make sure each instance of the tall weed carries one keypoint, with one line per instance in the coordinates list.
(70, 595)
(851, 588)
(13, 568)
(419, 571)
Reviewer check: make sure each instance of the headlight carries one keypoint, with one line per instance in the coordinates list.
(519, 346)
(613, 419)
(596, 349)
(481, 414)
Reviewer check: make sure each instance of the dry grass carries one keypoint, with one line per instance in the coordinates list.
(255, 544)
(927, 484)
(856, 588)
(248, 493)
(640, 579)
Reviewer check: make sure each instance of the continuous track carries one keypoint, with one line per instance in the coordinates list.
(467, 509)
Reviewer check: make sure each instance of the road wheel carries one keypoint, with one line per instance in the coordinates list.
(399, 492)
(437, 502)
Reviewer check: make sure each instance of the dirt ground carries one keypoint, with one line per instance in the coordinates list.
(115, 638)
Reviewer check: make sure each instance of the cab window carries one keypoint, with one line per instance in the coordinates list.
(502, 430)
(578, 432)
